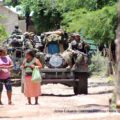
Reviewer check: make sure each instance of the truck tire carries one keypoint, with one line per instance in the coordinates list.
(75, 88)
(81, 86)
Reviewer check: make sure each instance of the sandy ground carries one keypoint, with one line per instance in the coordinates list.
(58, 102)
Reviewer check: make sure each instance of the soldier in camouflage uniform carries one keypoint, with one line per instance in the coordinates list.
(40, 54)
(27, 41)
(17, 31)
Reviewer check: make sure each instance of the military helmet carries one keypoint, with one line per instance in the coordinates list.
(17, 26)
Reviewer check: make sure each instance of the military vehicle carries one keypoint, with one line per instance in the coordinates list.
(64, 65)
(62, 62)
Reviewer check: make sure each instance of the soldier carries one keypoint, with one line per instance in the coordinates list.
(34, 39)
(83, 47)
(75, 40)
(27, 41)
(40, 54)
(80, 50)
(17, 31)
(77, 44)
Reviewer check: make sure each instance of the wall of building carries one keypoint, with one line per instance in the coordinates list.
(10, 19)
(22, 25)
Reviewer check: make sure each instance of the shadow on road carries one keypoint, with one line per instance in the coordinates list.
(99, 84)
(71, 95)
(91, 108)
(58, 95)
(7, 117)
(101, 92)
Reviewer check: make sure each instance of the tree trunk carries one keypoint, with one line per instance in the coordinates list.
(110, 66)
(27, 16)
(117, 42)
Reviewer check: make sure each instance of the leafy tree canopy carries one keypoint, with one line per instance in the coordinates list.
(99, 25)
(71, 5)
(46, 14)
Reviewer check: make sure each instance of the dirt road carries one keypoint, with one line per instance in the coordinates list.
(59, 103)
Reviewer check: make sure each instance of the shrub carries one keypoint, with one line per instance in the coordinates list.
(3, 34)
(98, 64)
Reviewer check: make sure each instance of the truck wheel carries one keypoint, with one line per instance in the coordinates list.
(76, 89)
(81, 87)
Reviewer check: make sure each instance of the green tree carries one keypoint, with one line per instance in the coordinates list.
(12, 2)
(71, 5)
(99, 25)
(46, 15)
(102, 3)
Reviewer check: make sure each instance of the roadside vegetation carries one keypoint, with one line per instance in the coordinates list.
(99, 65)
(3, 34)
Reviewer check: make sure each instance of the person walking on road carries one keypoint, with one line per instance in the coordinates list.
(5, 65)
(31, 89)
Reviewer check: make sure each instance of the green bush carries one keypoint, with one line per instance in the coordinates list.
(98, 64)
(3, 34)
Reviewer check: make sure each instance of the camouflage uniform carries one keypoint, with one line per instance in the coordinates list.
(41, 57)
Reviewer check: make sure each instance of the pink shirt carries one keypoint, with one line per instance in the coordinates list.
(5, 61)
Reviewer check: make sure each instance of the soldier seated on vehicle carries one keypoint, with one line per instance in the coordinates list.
(77, 44)
(40, 54)
(17, 30)
(67, 55)
(34, 38)
(27, 41)
(65, 40)
(78, 53)
(31, 38)
(83, 47)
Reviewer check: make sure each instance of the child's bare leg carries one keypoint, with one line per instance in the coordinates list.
(9, 95)
(0, 98)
